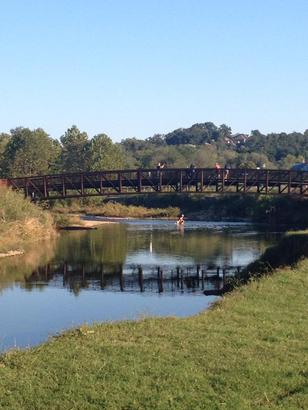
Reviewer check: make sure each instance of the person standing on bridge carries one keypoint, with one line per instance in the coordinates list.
(226, 171)
(218, 167)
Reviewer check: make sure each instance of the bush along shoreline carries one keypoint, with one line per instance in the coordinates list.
(248, 351)
(21, 222)
(288, 252)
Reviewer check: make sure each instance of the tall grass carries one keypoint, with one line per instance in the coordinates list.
(115, 209)
(21, 221)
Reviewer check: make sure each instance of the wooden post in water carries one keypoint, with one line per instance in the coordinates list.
(182, 281)
(46, 272)
(198, 275)
(64, 273)
(102, 277)
(223, 276)
(178, 276)
(121, 280)
(83, 273)
(202, 279)
(160, 280)
(217, 272)
(161, 288)
(140, 279)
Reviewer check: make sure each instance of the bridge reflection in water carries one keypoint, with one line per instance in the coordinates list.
(208, 279)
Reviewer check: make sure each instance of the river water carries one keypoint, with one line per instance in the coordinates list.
(126, 270)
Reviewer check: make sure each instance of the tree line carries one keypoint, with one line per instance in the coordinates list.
(34, 152)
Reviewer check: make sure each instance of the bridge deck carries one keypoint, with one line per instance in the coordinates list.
(179, 180)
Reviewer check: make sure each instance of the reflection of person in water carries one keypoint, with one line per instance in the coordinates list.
(180, 221)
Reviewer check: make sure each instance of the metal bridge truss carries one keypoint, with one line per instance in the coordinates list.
(170, 180)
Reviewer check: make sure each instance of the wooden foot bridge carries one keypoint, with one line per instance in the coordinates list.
(168, 180)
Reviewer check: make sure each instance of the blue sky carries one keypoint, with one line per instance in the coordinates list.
(134, 68)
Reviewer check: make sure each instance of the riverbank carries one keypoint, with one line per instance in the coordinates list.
(111, 209)
(247, 352)
(21, 222)
(287, 211)
(73, 221)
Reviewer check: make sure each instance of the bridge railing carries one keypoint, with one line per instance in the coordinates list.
(116, 182)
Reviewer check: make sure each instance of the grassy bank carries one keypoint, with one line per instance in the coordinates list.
(248, 352)
(112, 209)
(21, 221)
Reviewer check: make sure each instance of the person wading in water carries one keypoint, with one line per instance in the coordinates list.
(180, 221)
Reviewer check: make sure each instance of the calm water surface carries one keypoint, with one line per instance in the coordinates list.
(92, 276)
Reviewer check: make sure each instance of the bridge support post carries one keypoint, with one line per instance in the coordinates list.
(301, 189)
(26, 189)
(101, 184)
(120, 181)
(81, 184)
(245, 180)
(202, 181)
(139, 178)
(63, 186)
(45, 187)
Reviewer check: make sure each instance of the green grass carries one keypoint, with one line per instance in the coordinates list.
(21, 221)
(250, 351)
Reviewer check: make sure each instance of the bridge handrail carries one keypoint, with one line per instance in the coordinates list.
(162, 170)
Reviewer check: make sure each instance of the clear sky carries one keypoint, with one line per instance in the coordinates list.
(138, 67)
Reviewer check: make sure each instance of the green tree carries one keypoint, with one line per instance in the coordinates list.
(75, 150)
(206, 156)
(288, 161)
(4, 139)
(29, 153)
(104, 154)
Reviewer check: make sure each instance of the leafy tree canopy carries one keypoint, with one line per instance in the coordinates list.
(105, 154)
(28, 152)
